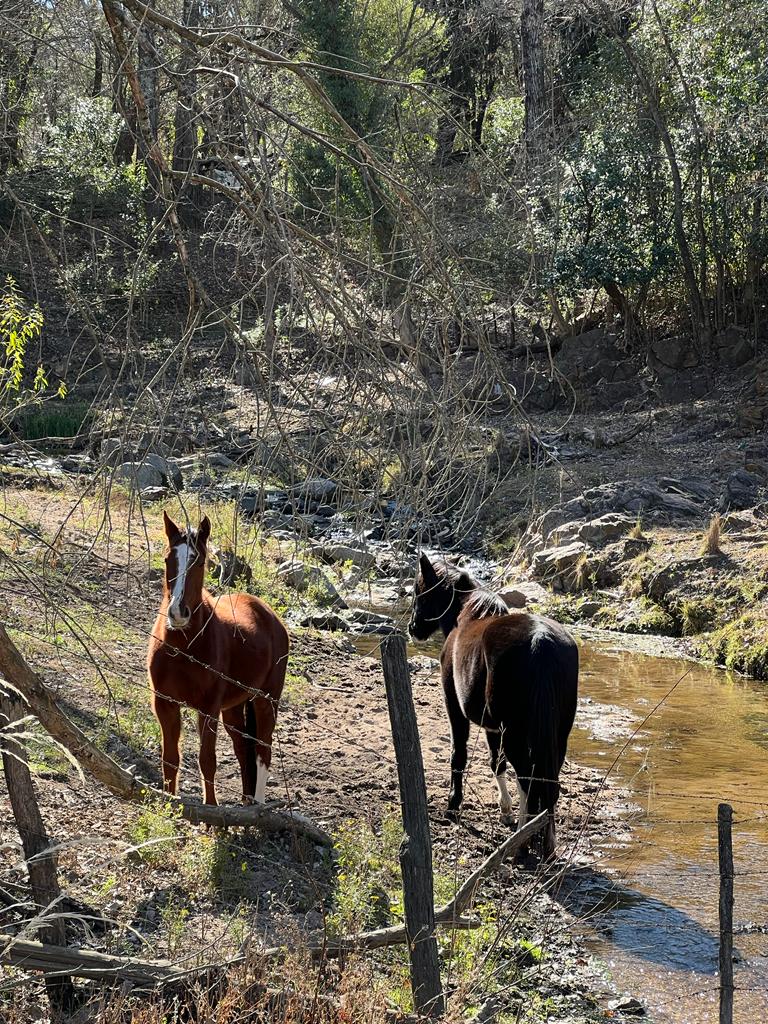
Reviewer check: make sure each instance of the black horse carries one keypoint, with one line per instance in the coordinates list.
(512, 673)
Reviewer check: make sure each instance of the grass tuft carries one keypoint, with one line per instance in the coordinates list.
(710, 544)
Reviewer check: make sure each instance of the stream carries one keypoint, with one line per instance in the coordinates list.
(679, 738)
(651, 901)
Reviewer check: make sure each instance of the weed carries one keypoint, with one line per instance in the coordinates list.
(368, 882)
(155, 834)
(710, 544)
(741, 645)
(174, 917)
(699, 615)
(636, 533)
(210, 864)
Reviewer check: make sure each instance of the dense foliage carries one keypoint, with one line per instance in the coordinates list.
(396, 138)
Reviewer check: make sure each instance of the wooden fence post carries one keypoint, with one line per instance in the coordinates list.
(725, 857)
(416, 850)
(41, 861)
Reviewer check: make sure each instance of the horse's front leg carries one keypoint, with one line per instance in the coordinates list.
(168, 714)
(499, 769)
(207, 724)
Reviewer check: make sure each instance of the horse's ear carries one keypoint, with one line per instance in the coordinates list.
(204, 530)
(171, 529)
(427, 570)
(464, 583)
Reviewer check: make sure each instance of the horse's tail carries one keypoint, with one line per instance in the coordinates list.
(552, 685)
(251, 735)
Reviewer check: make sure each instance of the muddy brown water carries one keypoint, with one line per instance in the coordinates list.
(679, 738)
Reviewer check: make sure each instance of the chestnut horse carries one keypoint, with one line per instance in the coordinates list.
(512, 673)
(222, 656)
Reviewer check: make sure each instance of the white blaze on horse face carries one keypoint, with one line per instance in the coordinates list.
(261, 780)
(176, 617)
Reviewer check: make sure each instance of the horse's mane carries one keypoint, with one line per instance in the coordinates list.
(481, 602)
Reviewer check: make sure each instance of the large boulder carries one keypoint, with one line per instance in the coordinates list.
(742, 490)
(558, 564)
(316, 489)
(590, 357)
(303, 577)
(677, 353)
(358, 556)
(168, 469)
(734, 346)
(604, 529)
(139, 475)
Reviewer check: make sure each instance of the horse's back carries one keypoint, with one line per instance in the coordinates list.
(503, 664)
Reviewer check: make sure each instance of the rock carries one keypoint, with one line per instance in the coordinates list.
(424, 664)
(168, 469)
(220, 461)
(154, 493)
(316, 489)
(363, 617)
(555, 563)
(231, 568)
(678, 353)
(627, 1005)
(734, 346)
(741, 491)
(302, 577)
(380, 628)
(326, 621)
(358, 556)
(522, 594)
(111, 451)
(608, 527)
(671, 576)
(728, 459)
(750, 416)
(139, 475)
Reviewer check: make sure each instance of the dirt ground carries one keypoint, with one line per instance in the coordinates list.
(333, 760)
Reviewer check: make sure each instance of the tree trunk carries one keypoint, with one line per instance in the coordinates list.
(41, 862)
(699, 315)
(185, 128)
(98, 67)
(537, 127)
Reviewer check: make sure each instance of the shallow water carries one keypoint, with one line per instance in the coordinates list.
(705, 742)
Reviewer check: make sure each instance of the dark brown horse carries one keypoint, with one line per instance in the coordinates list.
(512, 673)
(222, 656)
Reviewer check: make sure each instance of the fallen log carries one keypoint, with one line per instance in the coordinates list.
(122, 783)
(71, 961)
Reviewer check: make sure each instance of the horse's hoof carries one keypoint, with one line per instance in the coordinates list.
(509, 819)
(248, 801)
(453, 813)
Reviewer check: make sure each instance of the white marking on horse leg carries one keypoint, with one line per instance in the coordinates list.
(522, 814)
(177, 593)
(505, 800)
(262, 772)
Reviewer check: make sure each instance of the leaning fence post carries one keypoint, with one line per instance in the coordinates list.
(416, 850)
(725, 857)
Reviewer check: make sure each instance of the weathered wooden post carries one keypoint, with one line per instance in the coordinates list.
(725, 857)
(41, 861)
(416, 850)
